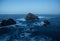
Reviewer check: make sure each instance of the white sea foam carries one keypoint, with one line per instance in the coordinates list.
(45, 17)
(42, 17)
(22, 19)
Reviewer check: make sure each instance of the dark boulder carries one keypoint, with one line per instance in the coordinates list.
(7, 22)
(31, 16)
(46, 22)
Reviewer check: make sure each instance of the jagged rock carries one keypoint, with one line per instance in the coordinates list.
(46, 22)
(7, 22)
(31, 16)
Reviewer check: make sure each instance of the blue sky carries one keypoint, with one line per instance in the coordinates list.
(26, 6)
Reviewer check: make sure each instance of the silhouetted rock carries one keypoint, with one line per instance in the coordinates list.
(31, 16)
(7, 22)
(46, 22)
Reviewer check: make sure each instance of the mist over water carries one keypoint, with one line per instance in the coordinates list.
(39, 32)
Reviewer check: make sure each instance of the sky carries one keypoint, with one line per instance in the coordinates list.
(26, 6)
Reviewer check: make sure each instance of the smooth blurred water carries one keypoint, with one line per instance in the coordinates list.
(21, 31)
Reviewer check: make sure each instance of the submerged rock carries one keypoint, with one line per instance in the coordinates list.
(46, 22)
(31, 16)
(7, 22)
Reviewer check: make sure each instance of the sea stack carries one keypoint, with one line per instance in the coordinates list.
(31, 16)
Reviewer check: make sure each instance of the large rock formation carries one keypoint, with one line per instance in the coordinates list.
(31, 16)
(7, 22)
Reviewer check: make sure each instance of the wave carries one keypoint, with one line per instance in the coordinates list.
(22, 19)
(40, 17)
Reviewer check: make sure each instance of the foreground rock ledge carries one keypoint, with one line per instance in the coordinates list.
(31, 16)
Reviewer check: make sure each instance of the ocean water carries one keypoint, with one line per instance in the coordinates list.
(21, 31)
